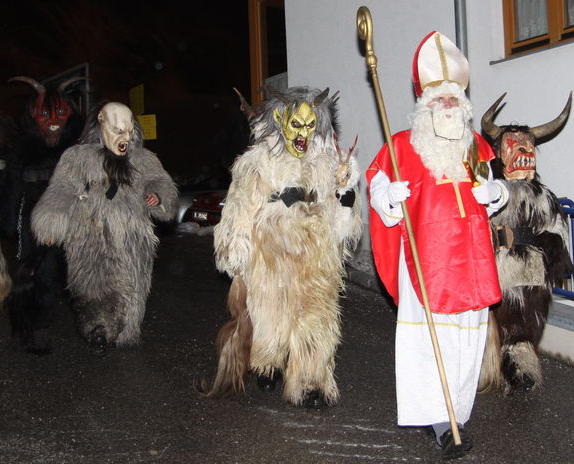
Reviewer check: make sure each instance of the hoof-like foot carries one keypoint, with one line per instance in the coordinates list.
(267, 384)
(517, 381)
(452, 451)
(98, 341)
(314, 400)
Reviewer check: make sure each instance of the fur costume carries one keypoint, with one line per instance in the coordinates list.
(51, 123)
(285, 232)
(530, 238)
(5, 280)
(107, 232)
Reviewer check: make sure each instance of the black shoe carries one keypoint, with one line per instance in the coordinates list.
(452, 451)
(314, 400)
(267, 384)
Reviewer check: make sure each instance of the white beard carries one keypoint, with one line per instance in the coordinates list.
(441, 156)
(449, 123)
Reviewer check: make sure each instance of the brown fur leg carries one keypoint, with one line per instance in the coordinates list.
(490, 372)
(233, 344)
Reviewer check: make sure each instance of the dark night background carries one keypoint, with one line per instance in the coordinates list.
(188, 55)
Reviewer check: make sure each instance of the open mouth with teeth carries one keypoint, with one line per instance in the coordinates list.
(522, 162)
(122, 147)
(300, 144)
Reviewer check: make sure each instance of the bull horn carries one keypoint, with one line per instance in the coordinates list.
(245, 107)
(69, 81)
(540, 132)
(40, 89)
(319, 98)
(487, 124)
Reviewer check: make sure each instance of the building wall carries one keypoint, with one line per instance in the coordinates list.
(323, 50)
(538, 85)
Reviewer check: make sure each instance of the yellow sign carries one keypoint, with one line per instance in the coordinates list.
(148, 123)
(137, 99)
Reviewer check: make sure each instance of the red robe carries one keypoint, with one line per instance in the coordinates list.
(451, 230)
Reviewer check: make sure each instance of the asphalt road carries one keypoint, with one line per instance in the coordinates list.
(139, 405)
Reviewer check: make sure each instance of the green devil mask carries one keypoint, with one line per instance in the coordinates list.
(297, 127)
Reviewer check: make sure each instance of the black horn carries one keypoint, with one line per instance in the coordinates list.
(321, 97)
(544, 130)
(40, 89)
(487, 123)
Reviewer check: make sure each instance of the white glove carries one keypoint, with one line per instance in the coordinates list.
(487, 192)
(379, 189)
(398, 191)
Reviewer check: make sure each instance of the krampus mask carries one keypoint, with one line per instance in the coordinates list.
(514, 145)
(51, 111)
(297, 116)
(114, 127)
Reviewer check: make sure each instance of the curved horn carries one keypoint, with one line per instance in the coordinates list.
(488, 126)
(550, 127)
(69, 81)
(319, 98)
(335, 97)
(245, 107)
(40, 89)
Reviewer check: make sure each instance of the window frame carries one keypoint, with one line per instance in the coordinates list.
(557, 33)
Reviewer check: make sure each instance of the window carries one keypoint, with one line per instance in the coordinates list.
(536, 24)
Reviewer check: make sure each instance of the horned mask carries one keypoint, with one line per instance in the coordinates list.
(515, 145)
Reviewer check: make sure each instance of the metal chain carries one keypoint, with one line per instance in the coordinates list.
(19, 226)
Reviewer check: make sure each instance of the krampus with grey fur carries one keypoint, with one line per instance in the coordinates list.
(289, 222)
(530, 236)
(99, 205)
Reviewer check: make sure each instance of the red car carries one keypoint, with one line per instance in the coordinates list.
(202, 207)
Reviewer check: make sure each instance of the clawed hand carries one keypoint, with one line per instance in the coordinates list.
(151, 199)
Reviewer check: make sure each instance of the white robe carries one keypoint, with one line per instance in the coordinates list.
(461, 338)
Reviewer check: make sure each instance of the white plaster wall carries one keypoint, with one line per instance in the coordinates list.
(323, 50)
(538, 85)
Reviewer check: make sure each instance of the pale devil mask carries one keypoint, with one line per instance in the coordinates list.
(117, 127)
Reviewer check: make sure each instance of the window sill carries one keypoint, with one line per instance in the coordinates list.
(533, 52)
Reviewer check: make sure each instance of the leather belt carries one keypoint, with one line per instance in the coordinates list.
(291, 195)
(508, 237)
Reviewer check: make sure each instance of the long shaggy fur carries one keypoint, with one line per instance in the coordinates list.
(233, 343)
(527, 272)
(109, 243)
(290, 258)
(490, 373)
(39, 277)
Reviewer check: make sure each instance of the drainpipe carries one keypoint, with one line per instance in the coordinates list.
(460, 26)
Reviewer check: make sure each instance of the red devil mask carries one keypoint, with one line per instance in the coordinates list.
(50, 110)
